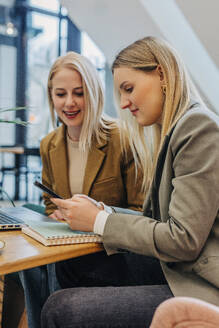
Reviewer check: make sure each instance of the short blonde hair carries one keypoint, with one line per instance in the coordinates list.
(94, 124)
(145, 55)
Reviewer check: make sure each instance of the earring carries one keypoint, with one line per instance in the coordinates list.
(163, 89)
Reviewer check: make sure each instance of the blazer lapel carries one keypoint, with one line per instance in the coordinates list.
(152, 200)
(162, 157)
(94, 162)
(58, 155)
(157, 177)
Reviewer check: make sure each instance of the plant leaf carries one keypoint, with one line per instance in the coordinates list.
(14, 122)
(2, 110)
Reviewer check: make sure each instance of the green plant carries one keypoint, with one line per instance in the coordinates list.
(16, 121)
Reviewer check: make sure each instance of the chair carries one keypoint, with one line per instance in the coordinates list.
(13, 302)
(185, 312)
(23, 167)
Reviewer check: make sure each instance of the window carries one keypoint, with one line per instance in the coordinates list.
(47, 39)
(48, 33)
(53, 5)
(91, 51)
(42, 51)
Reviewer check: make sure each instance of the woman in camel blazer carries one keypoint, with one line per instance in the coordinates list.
(179, 228)
(109, 174)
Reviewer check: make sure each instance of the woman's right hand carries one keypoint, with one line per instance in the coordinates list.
(79, 212)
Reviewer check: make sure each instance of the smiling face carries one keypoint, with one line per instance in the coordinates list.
(141, 93)
(68, 97)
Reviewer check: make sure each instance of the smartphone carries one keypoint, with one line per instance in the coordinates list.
(46, 189)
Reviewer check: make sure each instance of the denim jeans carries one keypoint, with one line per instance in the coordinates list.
(38, 284)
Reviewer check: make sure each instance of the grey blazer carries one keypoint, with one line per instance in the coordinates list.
(180, 225)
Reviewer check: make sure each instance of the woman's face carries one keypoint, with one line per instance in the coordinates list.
(68, 97)
(141, 93)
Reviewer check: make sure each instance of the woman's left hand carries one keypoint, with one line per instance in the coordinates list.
(79, 212)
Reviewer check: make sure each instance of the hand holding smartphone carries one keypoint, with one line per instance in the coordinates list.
(46, 189)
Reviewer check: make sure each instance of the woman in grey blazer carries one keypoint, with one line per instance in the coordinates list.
(179, 228)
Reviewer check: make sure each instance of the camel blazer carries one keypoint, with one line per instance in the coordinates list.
(180, 225)
(109, 175)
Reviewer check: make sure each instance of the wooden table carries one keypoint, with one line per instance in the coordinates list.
(22, 252)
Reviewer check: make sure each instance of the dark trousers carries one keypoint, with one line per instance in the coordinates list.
(121, 290)
(99, 269)
(13, 301)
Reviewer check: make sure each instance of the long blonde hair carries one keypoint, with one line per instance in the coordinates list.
(145, 55)
(94, 123)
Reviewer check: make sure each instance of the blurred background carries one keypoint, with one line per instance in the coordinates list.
(34, 32)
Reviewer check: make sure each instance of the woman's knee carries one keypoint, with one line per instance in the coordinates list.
(52, 309)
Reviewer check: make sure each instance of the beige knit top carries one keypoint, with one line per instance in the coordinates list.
(77, 164)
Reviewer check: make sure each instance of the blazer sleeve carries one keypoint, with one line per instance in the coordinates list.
(194, 198)
(47, 179)
(126, 211)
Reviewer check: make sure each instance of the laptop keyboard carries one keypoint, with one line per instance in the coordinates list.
(6, 219)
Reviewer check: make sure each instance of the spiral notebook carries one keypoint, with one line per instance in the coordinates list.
(58, 233)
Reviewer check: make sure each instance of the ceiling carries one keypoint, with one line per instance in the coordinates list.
(192, 26)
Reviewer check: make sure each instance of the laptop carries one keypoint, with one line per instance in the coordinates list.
(14, 218)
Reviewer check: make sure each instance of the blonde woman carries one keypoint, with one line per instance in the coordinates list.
(82, 155)
(179, 227)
